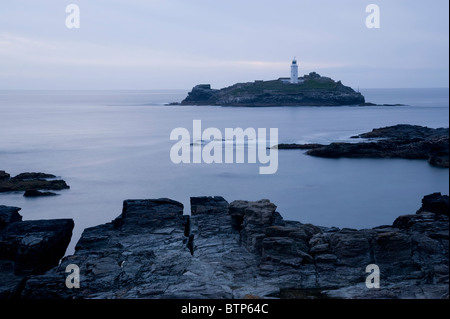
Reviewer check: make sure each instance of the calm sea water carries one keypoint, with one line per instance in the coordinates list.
(114, 145)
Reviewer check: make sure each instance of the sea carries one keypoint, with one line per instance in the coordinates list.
(110, 146)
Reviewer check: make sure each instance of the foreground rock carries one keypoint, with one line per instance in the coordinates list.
(435, 203)
(8, 215)
(246, 249)
(399, 141)
(313, 90)
(31, 182)
(28, 247)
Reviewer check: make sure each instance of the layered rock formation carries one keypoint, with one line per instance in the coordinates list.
(28, 248)
(245, 249)
(313, 90)
(399, 141)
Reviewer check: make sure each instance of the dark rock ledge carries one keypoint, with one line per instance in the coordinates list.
(28, 248)
(31, 183)
(399, 141)
(246, 250)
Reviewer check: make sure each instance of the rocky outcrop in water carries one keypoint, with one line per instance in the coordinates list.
(35, 193)
(246, 249)
(4, 176)
(435, 203)
(399, 141)
(312, 90)
(31, 182)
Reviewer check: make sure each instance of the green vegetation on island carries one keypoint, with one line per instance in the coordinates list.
(311, 89)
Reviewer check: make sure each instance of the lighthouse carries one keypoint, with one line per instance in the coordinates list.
(294, 72)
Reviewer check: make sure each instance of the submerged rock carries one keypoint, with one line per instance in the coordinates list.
(36, 193)
(298, 146)
(245, 248)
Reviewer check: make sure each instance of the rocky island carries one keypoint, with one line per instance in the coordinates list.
(398, 141)
(31, 183)
(242, 249)
(311, 90)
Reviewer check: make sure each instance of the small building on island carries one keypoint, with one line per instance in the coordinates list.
(294, 72)
(294, 79)
(309, 90)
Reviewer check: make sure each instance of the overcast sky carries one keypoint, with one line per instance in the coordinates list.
(175, 44)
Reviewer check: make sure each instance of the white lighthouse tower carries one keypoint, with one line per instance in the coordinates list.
(294, 72)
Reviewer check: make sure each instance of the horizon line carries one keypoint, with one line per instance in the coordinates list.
(184, 89)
